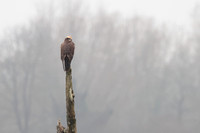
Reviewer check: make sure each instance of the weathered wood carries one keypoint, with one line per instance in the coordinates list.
(60, 128)
(70, 112)
(71, 120)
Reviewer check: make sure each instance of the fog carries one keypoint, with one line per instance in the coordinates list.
(130, 75)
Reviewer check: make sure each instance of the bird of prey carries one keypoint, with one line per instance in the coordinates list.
(67, 52)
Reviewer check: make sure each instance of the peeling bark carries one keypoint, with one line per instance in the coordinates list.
(70, 112)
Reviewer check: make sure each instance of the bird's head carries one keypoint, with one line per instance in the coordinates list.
(68, 38)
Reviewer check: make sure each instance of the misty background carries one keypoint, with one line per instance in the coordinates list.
(130, 74)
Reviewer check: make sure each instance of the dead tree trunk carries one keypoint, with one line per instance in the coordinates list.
(70, 112)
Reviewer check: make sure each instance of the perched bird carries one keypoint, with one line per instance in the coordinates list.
(67, 52)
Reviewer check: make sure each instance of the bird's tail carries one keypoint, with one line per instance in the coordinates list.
(67, 64)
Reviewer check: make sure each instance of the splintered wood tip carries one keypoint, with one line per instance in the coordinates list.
(59, 123)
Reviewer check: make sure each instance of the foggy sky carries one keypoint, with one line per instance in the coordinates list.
(130, 74)
(178, 12)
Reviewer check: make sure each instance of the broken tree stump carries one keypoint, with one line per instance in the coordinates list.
(70, 112)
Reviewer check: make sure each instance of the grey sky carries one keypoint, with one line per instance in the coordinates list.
(177, 12)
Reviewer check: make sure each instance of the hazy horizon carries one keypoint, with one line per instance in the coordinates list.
(131, 74)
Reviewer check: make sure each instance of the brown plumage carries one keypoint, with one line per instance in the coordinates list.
(67, 52)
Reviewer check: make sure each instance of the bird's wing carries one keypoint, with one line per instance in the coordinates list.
(73, 47)
(63, 63)
(61, 51)
(71, 51)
